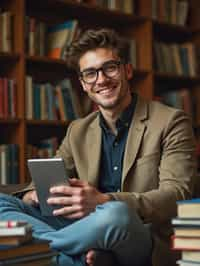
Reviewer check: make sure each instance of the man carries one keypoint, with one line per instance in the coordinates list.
(133, 160)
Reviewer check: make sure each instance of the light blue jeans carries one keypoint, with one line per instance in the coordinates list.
(111, 227)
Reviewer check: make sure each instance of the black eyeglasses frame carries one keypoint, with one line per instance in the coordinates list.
(80, 73)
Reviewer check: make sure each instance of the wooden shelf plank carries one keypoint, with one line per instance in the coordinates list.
(44, 123)
(9, 56)
(82, 11)
(10, 121)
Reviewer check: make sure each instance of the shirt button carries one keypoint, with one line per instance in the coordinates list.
(115, 168)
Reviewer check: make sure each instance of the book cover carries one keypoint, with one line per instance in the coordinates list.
(1, 98)
(57, 36)
(17, 231)
(39, 259)
(187, 263)
(186, 222)
(11, 223)
(185, 243)
(33, 247)
(11, 241)
(188, 208)
(187, 231)
(190, 255)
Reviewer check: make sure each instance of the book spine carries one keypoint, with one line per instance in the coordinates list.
(9, 224)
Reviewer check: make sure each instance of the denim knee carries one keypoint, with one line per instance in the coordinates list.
(8, 201)
(4, 198)
(118, 213)
(113, 218)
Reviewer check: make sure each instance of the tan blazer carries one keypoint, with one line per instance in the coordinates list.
(159, 165)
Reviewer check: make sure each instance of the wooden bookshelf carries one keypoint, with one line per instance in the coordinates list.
(142, 26)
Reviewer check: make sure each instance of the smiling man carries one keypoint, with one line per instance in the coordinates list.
(133, 159)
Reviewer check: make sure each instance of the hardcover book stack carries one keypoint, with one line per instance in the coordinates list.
(186, 236)
(17, 245)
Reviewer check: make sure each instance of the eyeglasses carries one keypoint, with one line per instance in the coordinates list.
(110, 69)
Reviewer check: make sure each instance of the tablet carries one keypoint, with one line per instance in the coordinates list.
(46, 173)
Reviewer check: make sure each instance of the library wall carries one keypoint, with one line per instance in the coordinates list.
(39, 95)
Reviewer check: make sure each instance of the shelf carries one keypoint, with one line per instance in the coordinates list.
(47, 69)
(8, 56)
(47, 123)
(10, 121)
(170, 32)
(62, 9)
(45, 60)
(181, 79)
(41, 69)
(161, 75)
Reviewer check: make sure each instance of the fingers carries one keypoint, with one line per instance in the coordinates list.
(90, 257)
(70, 212)
(77, 182)
(67, 190)
(62, 200)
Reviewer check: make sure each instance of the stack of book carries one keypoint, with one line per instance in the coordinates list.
(14, 233)
(17, 246)
(186, 236)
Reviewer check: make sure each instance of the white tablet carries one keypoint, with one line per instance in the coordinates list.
(46, 173)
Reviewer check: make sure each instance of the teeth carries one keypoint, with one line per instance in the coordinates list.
(105, 91)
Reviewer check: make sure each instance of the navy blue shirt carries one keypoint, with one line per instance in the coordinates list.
(112, 151)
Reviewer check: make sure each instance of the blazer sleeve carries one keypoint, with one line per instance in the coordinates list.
(176, 173)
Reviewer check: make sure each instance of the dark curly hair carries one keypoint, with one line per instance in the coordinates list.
(93, 39)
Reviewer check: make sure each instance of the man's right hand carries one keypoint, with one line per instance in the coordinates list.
(31, 198)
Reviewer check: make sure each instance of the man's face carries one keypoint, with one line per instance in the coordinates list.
(110, 90)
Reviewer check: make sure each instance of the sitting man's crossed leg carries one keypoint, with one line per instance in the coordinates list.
(111, 227)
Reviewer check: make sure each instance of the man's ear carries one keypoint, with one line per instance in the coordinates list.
(129, 71)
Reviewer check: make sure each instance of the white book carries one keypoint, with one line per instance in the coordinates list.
(16, 231)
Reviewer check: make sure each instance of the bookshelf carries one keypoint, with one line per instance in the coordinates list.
(147, 24)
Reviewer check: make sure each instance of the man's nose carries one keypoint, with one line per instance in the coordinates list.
(101, 77)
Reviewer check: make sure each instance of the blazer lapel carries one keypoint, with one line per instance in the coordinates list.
(94, 155)
(135, 136)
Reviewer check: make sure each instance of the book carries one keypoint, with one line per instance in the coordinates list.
(14, 240)
(185, 243)
(11, 223)
(190, 255)
(57, 36)
(188, 208)
(44, 259)
(185, 222)
(35, 246)
(187, 231)
(187, 263)
(17, 231)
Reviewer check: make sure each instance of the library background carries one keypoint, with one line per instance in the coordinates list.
(39, 95)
